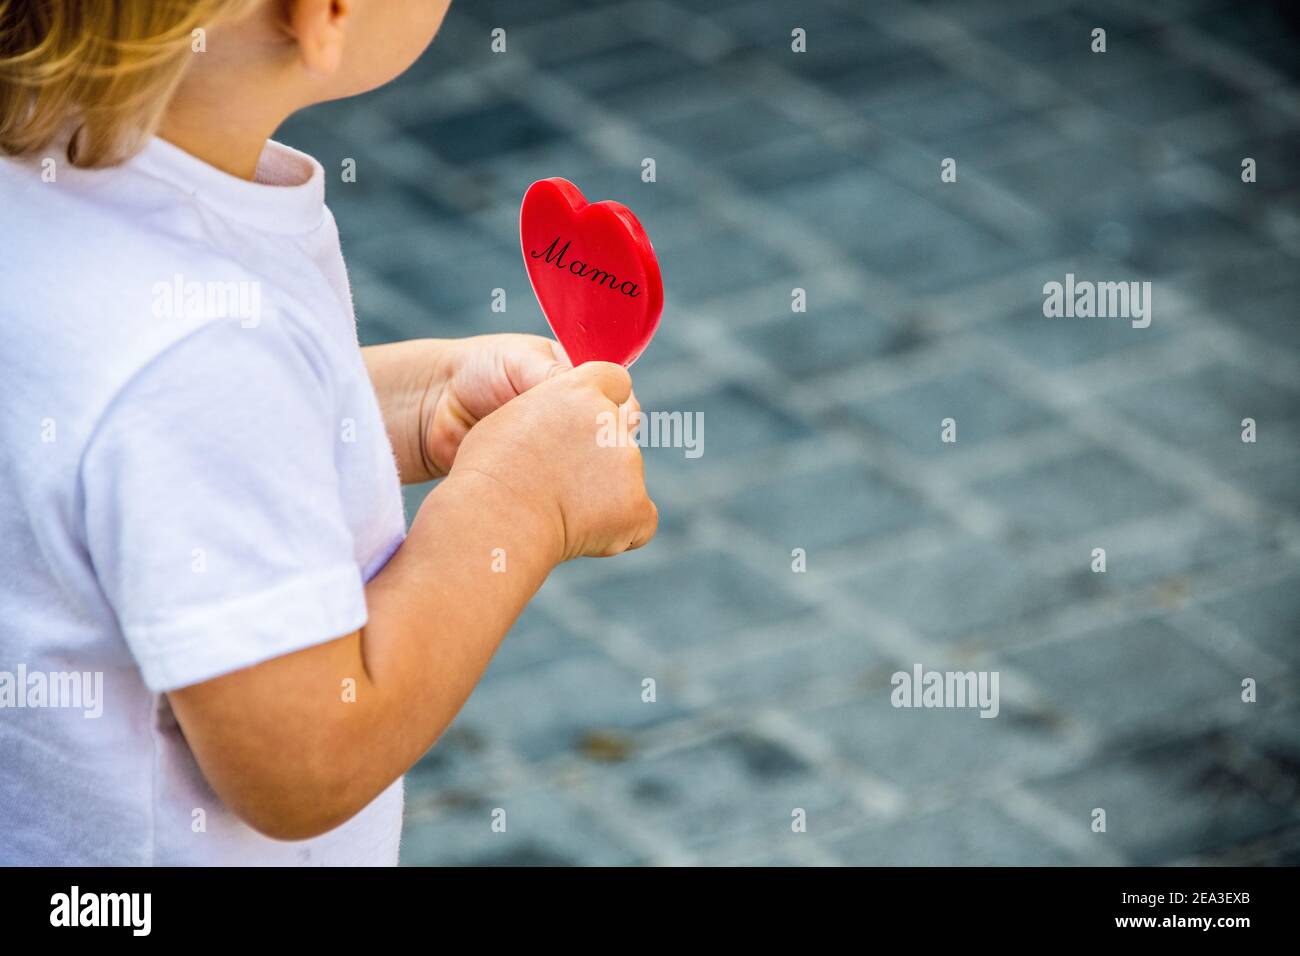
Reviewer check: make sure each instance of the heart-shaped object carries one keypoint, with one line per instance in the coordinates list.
(593, 271)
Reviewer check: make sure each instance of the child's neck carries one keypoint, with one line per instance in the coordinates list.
(222, 124)
(233, 151)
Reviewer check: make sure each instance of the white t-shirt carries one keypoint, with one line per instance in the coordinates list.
(194, 478)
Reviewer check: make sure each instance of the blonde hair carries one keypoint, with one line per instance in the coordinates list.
(96, 74)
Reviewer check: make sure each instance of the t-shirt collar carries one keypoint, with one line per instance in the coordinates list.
(288, 195)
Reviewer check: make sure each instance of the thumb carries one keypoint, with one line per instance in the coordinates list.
(612, 380)
(543, 360)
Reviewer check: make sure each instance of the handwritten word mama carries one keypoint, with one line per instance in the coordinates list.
(554, 255)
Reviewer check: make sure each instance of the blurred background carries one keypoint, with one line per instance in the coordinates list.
(820, 170)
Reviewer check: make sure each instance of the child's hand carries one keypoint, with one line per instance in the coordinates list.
(543, 447)
(482, 373)
(535, 424)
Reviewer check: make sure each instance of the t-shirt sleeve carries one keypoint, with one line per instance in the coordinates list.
(213, 515)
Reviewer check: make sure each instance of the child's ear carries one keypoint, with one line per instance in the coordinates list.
(319, 27)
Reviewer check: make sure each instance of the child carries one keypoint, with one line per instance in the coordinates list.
(218, 644)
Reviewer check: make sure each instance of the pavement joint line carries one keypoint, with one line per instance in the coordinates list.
(754, 645)
(803, 246)
(893, 638)
(900, 642)
(902, 22)
(872, 794)
(915, 545)
(1032, 227)
(657, 844)
(751, 468)
(1082, 619)
(1058, 827)
(878, 377)
(508, 775)
(620, 642)
(1222, 61)
(956, 310)
(667, 21)
(845, 562)
(608, 24)
(939, 491)
(1002, 456)
(1132, 368)
(561, 103)
(1176, 528)
(1210, 131)
(1150, 454)
(768, 303)
(436, 177)
(810, 853)
(1247, 350)
(1226, 641)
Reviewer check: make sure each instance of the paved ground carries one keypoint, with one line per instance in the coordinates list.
(775, 170)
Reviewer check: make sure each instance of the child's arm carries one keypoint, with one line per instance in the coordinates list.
(277, 741)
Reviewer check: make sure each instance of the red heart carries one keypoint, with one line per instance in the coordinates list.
(593, 270)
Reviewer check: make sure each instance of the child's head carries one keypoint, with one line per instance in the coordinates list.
(101, 75)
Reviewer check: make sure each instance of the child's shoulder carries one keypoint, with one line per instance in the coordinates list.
(118, 262)
(116, 229)
(112, 273)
